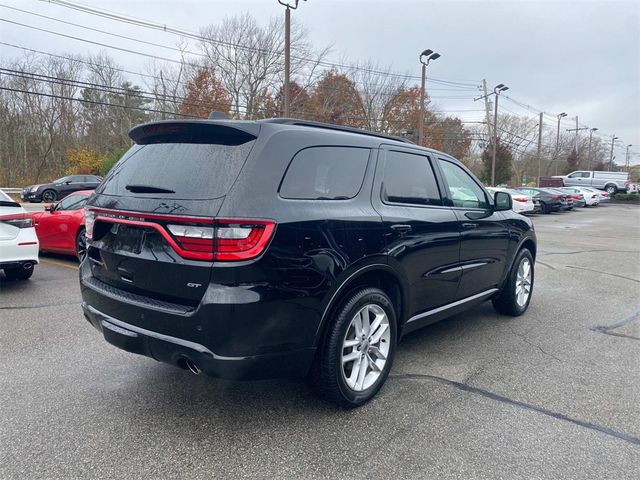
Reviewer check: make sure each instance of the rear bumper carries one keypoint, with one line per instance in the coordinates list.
(177, 351)
(19, 250)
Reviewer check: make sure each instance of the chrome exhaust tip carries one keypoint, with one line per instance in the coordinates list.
(192, 367)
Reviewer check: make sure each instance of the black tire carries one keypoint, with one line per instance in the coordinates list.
(506, 302)
(19, 273)
(49, 196)
(81, 245)
(327, 373)
(544, 207)
(611, 189)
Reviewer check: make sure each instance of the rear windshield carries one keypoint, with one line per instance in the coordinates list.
(186, 171)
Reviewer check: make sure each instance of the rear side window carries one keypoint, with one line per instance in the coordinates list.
(325, 173)
(409, 178)
(177, 170)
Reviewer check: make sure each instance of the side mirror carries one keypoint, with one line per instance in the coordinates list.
(48, 207)
(502, 201)
(67, 182)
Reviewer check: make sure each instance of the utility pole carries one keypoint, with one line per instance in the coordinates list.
(591, 130)
(627, 158)
(287, 52)
(577, 129)
(497, 89)
(539, 148)
(613, 139)
(486, 109)
(430, 55)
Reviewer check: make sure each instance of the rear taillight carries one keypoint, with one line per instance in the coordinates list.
(241, 239)
(556, 197)
(225, 240)
(523, 200)
(19, 220)
(89, 220)
(195, 238)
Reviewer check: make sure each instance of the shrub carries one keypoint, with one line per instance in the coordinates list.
(627, 197)
(83, 160)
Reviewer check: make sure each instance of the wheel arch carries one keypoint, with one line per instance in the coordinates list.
(380, 276)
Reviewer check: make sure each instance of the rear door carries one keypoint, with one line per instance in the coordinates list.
(153, 214)
(484, 232)
(57, 229)
(422, 234)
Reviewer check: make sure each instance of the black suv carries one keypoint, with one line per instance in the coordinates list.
(60, 188)
(253, 249)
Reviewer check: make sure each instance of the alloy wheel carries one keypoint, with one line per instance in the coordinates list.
(365, 347)
(81, 246)
(523, 282)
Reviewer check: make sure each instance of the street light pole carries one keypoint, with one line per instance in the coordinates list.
(540, 147)
(287, 51)
(430, 55)
(627, 157)
(560, 116)
(613, 139)
(496, 90)
(591, 130)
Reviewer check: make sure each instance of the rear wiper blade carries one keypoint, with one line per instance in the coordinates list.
(147, 189)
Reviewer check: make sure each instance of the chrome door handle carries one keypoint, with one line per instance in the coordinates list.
(469, 225)
(401, 228)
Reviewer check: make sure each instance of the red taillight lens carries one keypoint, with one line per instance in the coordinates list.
(19, 220)
(241, 239)
(519, 199)
(226, 240)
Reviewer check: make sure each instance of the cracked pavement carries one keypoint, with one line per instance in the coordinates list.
(552, 394)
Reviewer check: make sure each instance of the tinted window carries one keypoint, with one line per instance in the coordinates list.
(189, 170)
(409, 178)
(463, 190)
(72, 202)
(325, 173)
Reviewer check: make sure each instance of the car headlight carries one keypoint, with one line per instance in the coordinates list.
(33, 189)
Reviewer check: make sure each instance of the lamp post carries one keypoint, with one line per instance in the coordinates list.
(425, 57)
(496, 90)
(591, 130)
(287, 50)
(627, 157)
(613, 139)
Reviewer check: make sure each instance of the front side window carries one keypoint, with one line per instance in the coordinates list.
(463, 190)
(325, 173)
(409, 178)
(579, 175)
(72, 202)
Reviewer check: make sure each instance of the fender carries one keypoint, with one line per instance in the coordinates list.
(346, 279)
(529, 235)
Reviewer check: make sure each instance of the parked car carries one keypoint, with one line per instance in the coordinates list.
(576, 196)
(589, 197)
(18, 240)
(60, 228)
(522, 203)
(604, 196)
(611, 182)
(60, 188)
(282, 247)
(549, 201)
(566, 199)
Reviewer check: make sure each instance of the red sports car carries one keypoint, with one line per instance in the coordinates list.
(60, 228)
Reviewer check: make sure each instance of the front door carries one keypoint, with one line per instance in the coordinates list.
(485, 234)
(421, 233)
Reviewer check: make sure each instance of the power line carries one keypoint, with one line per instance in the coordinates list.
(173, 30)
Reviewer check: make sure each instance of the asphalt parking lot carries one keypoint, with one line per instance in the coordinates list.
(552, 394)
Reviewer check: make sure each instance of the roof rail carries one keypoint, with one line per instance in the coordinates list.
(329, 126)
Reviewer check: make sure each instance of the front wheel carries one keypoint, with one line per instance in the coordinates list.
(516, 293)
(48, 196)
(355, 357)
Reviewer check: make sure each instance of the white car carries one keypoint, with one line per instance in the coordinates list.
(591, 197)
(522, 203)
(18, 240)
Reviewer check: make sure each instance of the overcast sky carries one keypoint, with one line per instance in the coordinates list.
(580, 57)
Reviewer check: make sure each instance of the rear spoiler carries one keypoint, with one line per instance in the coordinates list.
(223, 132)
